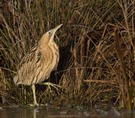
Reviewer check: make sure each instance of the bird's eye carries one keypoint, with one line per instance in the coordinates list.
(49, 33)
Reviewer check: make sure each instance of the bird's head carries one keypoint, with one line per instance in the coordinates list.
(48, 37)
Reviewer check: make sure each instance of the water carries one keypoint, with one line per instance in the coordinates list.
(44, 112)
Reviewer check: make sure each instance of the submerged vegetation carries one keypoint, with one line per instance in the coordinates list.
(97, 50)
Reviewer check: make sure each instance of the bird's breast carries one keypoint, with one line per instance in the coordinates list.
(51, 59)
(54, 56)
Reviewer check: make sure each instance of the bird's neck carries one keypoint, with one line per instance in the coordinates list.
(54, 47)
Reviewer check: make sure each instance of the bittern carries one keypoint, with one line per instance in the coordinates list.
(37, 65)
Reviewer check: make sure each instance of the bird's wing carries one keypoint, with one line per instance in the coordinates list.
(28, 57)
(29, 67)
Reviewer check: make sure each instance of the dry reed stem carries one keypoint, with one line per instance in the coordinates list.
(3, 87)
(40, 13)
(126, 80)
(100, 81)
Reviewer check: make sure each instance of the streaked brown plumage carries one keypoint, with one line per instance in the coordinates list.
(37, 65)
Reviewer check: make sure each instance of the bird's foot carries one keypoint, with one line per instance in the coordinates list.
(34, 105)
(49, 84)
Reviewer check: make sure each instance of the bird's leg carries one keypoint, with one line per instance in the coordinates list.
(34, 95)
(49, 84)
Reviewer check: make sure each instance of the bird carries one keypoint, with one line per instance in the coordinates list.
(37, 65)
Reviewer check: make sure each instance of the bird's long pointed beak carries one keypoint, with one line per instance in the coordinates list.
(56, 28)
(53, 31)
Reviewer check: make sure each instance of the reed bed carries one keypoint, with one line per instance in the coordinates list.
(97, 48)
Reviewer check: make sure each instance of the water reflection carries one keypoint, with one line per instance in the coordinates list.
(44, 112)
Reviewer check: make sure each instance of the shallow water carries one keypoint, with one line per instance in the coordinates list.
(44, 112)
